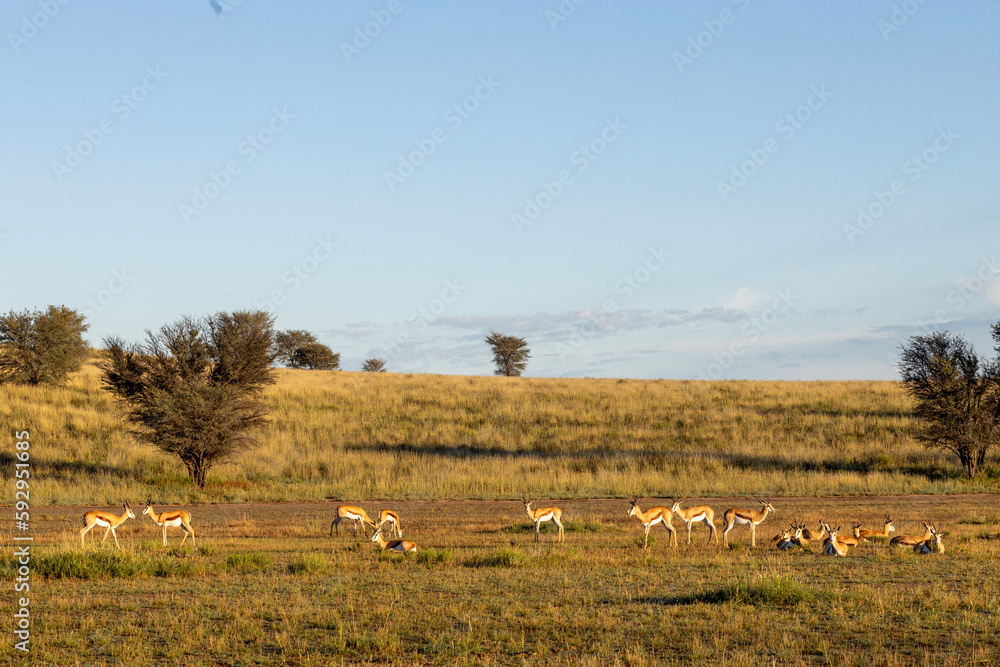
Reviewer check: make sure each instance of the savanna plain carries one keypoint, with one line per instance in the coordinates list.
(266, 583)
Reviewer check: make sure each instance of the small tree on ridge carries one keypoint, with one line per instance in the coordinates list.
(41, 347)
(510, 354)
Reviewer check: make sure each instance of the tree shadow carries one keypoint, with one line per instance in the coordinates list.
(59, 468)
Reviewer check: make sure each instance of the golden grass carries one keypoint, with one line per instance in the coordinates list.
(357, 436)
(270, 587)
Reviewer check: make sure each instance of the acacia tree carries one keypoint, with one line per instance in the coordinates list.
(374, 365)
(37, 347)
(296, 348)
(957, 394)
(510, 354)
(194, 388)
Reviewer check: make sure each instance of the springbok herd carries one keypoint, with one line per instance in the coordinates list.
(797, 535)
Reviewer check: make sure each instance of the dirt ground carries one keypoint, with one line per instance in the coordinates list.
(302, 520)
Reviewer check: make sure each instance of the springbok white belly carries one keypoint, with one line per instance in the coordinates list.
(547, 517)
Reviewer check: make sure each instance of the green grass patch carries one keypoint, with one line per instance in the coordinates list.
(308, 563)
(505, 557)
(247, 561)
(108, 565)
(760, 592)
(568, 527)
(434, 556)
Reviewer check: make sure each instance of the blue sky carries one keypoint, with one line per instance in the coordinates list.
(643, 189)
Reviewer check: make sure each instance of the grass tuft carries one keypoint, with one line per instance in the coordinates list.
(505, 557)
(308, 563)
(434, 556)
(760, 592)
(247, 561)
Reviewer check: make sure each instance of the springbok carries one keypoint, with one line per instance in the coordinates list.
(350, 513)
(650, 518)
(542, 514)
(736, 517)
(702, 513)
(172, 518)
(99, 518)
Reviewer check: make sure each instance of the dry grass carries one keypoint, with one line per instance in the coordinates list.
(270, 587)
(376, 435)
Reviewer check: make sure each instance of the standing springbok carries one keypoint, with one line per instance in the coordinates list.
(650, 518)
(99, 518)
(350, 513)
(736, 517)
(172, 518)
(541, 514)
(390, 517)
(701, 513)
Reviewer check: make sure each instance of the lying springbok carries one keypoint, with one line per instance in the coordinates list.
(814, 536)
(870, 533)
(399, 546)
(930, 546)
(911, 540)
(833, 546)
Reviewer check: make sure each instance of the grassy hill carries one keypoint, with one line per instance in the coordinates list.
(358, 436)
